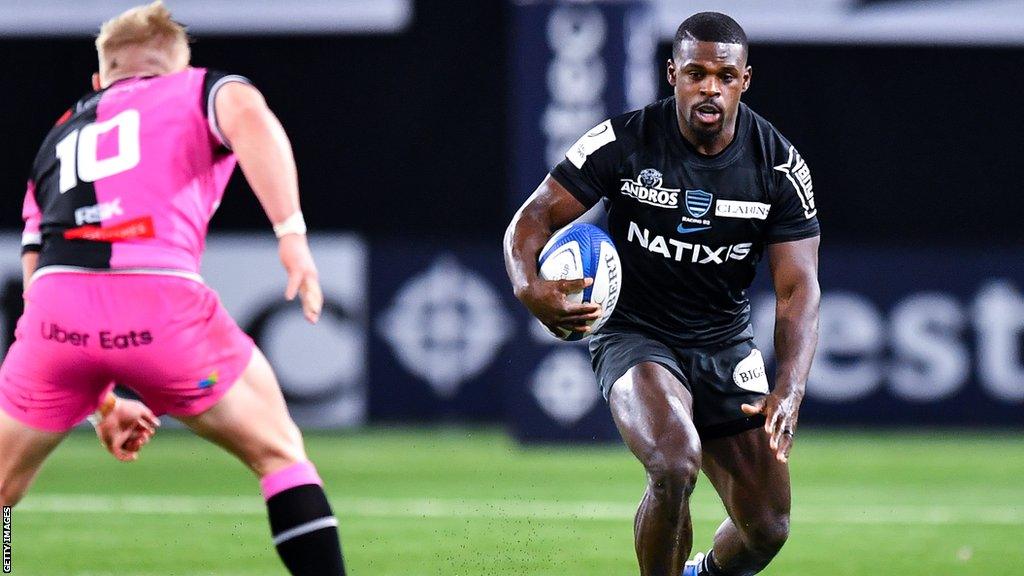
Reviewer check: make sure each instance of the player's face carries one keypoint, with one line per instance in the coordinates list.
(708, 79)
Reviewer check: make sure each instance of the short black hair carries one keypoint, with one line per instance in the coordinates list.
(709, 27)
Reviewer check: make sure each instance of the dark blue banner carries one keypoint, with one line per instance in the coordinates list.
(441, 317)
(573, 65)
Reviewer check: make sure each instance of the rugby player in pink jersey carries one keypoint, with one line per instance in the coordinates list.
(115, 216)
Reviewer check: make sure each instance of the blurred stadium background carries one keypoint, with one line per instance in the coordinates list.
(450, 429)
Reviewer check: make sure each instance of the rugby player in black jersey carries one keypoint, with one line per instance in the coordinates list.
(697, 187)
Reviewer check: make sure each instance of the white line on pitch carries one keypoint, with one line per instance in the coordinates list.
(1006, 515)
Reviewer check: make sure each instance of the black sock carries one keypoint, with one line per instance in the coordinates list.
(708, 566)
(306, 531)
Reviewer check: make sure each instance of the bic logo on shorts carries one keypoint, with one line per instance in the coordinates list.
(750, 375)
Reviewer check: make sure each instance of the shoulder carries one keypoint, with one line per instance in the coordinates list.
(645, 124)
(213, 80)
(618, 136)
(773, 146)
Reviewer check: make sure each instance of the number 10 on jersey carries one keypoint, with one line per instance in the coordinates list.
(78, 152)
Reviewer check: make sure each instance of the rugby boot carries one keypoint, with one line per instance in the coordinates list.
(692, 567)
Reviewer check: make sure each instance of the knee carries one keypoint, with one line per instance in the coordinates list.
(284, 449)
(768, 534)
(672, 476)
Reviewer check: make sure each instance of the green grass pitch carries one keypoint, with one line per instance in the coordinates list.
(471, 502)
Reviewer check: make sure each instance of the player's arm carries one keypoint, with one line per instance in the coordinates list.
(794, 267)
(265, 155)
(549, 208)
(29, 263)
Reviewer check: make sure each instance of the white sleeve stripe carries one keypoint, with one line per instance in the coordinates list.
(31, 238)
(211, 110)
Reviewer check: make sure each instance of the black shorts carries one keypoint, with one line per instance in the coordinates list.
(720, 378)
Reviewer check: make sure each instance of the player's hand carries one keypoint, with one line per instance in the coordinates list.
(303, 279)
(127, 428)
(546, 300)
(781, 412)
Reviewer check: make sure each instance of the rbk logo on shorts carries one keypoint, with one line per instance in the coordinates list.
(648, 187)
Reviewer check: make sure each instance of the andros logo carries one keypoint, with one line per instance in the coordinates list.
(649, 188)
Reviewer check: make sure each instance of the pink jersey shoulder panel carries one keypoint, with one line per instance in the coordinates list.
(167, 172)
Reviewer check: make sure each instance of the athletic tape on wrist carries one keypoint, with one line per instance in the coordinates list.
(294, 224)
(104, 409)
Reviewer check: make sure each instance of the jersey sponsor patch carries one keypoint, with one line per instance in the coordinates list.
(799, 175)
(134, 228)
(742, 209)
(591, 142)
(686, 251)
(749, 374)
(648, 187)
(98, 212)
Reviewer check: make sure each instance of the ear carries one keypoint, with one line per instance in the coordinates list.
(670, 72)
(747, 74)
(96, 81)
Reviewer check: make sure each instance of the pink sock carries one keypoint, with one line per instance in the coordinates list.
(298, 474)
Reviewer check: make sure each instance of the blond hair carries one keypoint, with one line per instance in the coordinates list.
(143, 36)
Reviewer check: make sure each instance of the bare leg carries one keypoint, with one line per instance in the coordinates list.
(755, 489)
(251, 421)
(22, 452)
(654, 414)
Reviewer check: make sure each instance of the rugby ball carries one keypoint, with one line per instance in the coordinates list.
(584, 251)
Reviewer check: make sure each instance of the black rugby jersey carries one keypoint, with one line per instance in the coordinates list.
(689, 228)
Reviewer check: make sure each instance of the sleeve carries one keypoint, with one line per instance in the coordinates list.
(793, 214)
(213, 82)
(589, 168)
(31, 237)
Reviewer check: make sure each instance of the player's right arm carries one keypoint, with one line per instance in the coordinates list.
(265, 155)
(549, 208)
(31, 239)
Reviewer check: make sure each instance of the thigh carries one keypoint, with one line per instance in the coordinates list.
(615, 352)
(723, 380)
(751, 481)
(653, 411)
(252, 422)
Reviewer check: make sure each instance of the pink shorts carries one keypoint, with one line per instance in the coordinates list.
(167, 338)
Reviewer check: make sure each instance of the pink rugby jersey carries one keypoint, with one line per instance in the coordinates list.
(130, 176)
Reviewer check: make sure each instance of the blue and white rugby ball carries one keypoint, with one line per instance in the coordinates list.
(584, 251)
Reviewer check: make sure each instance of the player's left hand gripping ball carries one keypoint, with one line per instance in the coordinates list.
(303, 278)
